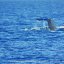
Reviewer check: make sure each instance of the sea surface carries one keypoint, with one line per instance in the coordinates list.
(23, 40)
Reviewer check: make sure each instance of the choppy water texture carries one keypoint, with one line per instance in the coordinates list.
(23, 39)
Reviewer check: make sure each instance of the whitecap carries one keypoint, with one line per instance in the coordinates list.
(35, 28)
(60, 27)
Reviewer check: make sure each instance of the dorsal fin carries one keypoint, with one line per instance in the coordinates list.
(50, 22)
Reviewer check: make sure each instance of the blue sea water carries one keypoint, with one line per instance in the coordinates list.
(22, 38)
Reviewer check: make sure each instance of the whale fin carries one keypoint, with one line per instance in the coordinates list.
(51, 25)
(50, 22)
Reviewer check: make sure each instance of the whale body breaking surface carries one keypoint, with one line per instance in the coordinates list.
(50, 24)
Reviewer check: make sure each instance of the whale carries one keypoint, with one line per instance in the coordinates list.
(51, 26)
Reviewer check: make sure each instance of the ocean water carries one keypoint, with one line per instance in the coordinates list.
(23, 40)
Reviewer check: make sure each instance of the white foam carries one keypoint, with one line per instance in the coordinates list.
(39, 28)
(61, 27)
(26, 29)
(35, 28)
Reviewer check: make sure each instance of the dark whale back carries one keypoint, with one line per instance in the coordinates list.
(51, 25)
(42, 18)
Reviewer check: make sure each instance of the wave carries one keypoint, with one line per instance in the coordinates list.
(60, 28)
(33, 28)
